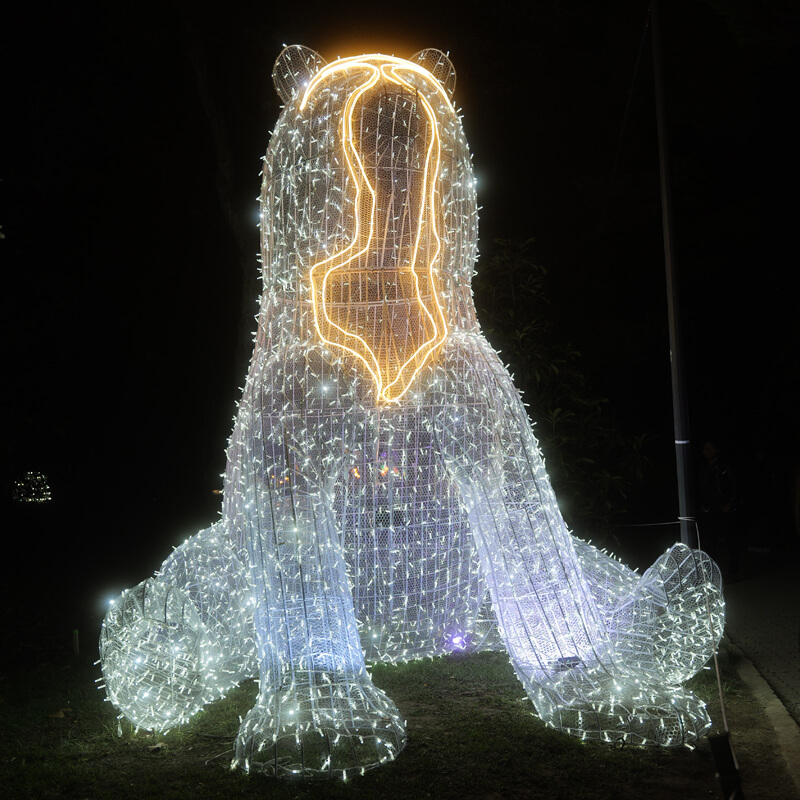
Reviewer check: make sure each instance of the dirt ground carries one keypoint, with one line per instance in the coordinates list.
(684, 774)
(762, 765)
(471, 736)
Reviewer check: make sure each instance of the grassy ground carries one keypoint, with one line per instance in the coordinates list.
(471, 734)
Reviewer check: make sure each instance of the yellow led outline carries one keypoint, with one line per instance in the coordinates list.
(388, 69)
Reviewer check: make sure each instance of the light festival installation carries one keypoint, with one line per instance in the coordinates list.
(385, 498)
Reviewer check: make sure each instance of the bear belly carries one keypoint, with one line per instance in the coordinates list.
(413, 567)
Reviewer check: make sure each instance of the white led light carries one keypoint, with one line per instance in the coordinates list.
(385, 498)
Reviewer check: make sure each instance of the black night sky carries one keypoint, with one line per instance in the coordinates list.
(131, 148)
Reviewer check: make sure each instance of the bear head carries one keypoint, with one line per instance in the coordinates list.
(368, 212)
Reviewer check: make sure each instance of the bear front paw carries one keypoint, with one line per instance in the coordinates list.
(334, 728)
(594, 704)
(155, 654)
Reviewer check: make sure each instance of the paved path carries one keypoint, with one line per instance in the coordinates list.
(763, 619)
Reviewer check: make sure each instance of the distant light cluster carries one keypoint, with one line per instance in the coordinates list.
(33, 488)
(385, 498)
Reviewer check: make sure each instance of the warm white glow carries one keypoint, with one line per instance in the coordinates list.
(33, 488)
(391, 380)
(385, 498)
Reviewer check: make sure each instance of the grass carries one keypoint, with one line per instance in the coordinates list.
(471, 733)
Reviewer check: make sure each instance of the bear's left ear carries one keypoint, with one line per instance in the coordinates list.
(439, 65)
(293, 69)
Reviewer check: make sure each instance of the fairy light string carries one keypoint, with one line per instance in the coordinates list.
(388, 385)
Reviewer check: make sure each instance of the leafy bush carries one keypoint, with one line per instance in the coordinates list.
(591, 464)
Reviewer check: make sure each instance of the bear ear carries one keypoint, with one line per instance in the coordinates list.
(439, 65)
(293, 69)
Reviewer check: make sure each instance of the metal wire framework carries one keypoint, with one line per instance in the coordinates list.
(385, 497)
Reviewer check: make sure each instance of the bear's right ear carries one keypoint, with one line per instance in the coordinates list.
(293, 69)
(439, 65)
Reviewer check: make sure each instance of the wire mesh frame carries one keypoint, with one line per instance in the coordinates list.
(385, 497)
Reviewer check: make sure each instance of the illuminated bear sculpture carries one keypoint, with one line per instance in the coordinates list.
(385, 498)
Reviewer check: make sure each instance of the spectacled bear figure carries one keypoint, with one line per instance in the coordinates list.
(385, 498)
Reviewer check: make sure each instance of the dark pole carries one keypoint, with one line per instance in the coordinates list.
(680, 405)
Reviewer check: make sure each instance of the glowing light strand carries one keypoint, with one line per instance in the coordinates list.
(341, 260)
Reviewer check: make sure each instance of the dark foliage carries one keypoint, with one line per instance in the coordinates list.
(591, 463)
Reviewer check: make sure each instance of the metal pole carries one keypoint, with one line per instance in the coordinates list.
(680, 405)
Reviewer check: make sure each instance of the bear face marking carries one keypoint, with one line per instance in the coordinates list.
(371, 200)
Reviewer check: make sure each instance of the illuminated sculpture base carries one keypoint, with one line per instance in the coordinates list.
(385, 497)
(164, 660)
